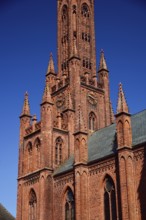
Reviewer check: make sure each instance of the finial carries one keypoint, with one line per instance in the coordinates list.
(26, 108)
(51, 68)
(102, 63)
(122, 104)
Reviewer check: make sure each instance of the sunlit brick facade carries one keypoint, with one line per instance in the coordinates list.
(80, 161)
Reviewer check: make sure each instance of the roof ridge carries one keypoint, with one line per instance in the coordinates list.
(138, 112)
(6, 212)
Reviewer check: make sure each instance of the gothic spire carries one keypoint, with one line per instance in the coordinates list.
(122, 104)
(102, 63)
(47, 95)
(51, 68)
(26, 108)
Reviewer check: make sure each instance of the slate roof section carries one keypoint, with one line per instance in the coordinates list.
(102, 143)
(138, 122)
(4, 214)
(66, 166)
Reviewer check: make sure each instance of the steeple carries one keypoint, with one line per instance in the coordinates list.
(51, 68)
(76, 36)
(122, 104)
(26, 108)
(102, 63)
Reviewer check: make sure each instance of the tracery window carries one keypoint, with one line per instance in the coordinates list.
(69, 205)
(92, 121)
(58, 150)
(85, 10)
(32, 205)
(86, 63)
(74, 9)
(109, 200)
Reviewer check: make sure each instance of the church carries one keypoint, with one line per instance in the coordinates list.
(80, 161)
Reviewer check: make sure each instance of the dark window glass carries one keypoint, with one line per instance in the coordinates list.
(110, 211)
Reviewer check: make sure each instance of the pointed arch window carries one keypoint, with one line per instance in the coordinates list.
(58, 150)
(32, 205)
(64, 13)
(85, 10)
(110, 211)
(92, 121)
(69, 206)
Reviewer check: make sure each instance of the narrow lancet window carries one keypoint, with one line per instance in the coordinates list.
(58, 151)
(69, 206)
(110, 212)
(92, 121)
(32, 205)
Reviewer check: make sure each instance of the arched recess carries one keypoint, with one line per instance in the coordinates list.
(58, 150)
(128, 133)
(77, 150)
(69, 205)
(37, 155)
(32, 212)
(92, 121)
(29, 153)
(110, 208)
(120, 133)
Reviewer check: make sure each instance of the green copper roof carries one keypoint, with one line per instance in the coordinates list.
(4, 214)
(102, 143)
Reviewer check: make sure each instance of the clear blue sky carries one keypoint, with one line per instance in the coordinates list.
(28, 35)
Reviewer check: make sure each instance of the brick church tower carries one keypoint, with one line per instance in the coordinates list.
(70, 160)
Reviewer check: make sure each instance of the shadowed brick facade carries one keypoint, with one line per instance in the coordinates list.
(80, 161)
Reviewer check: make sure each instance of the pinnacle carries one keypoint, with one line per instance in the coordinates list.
(102, 64)
(47, 95)
(51, 68)
(26, 108)
(122, 104)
